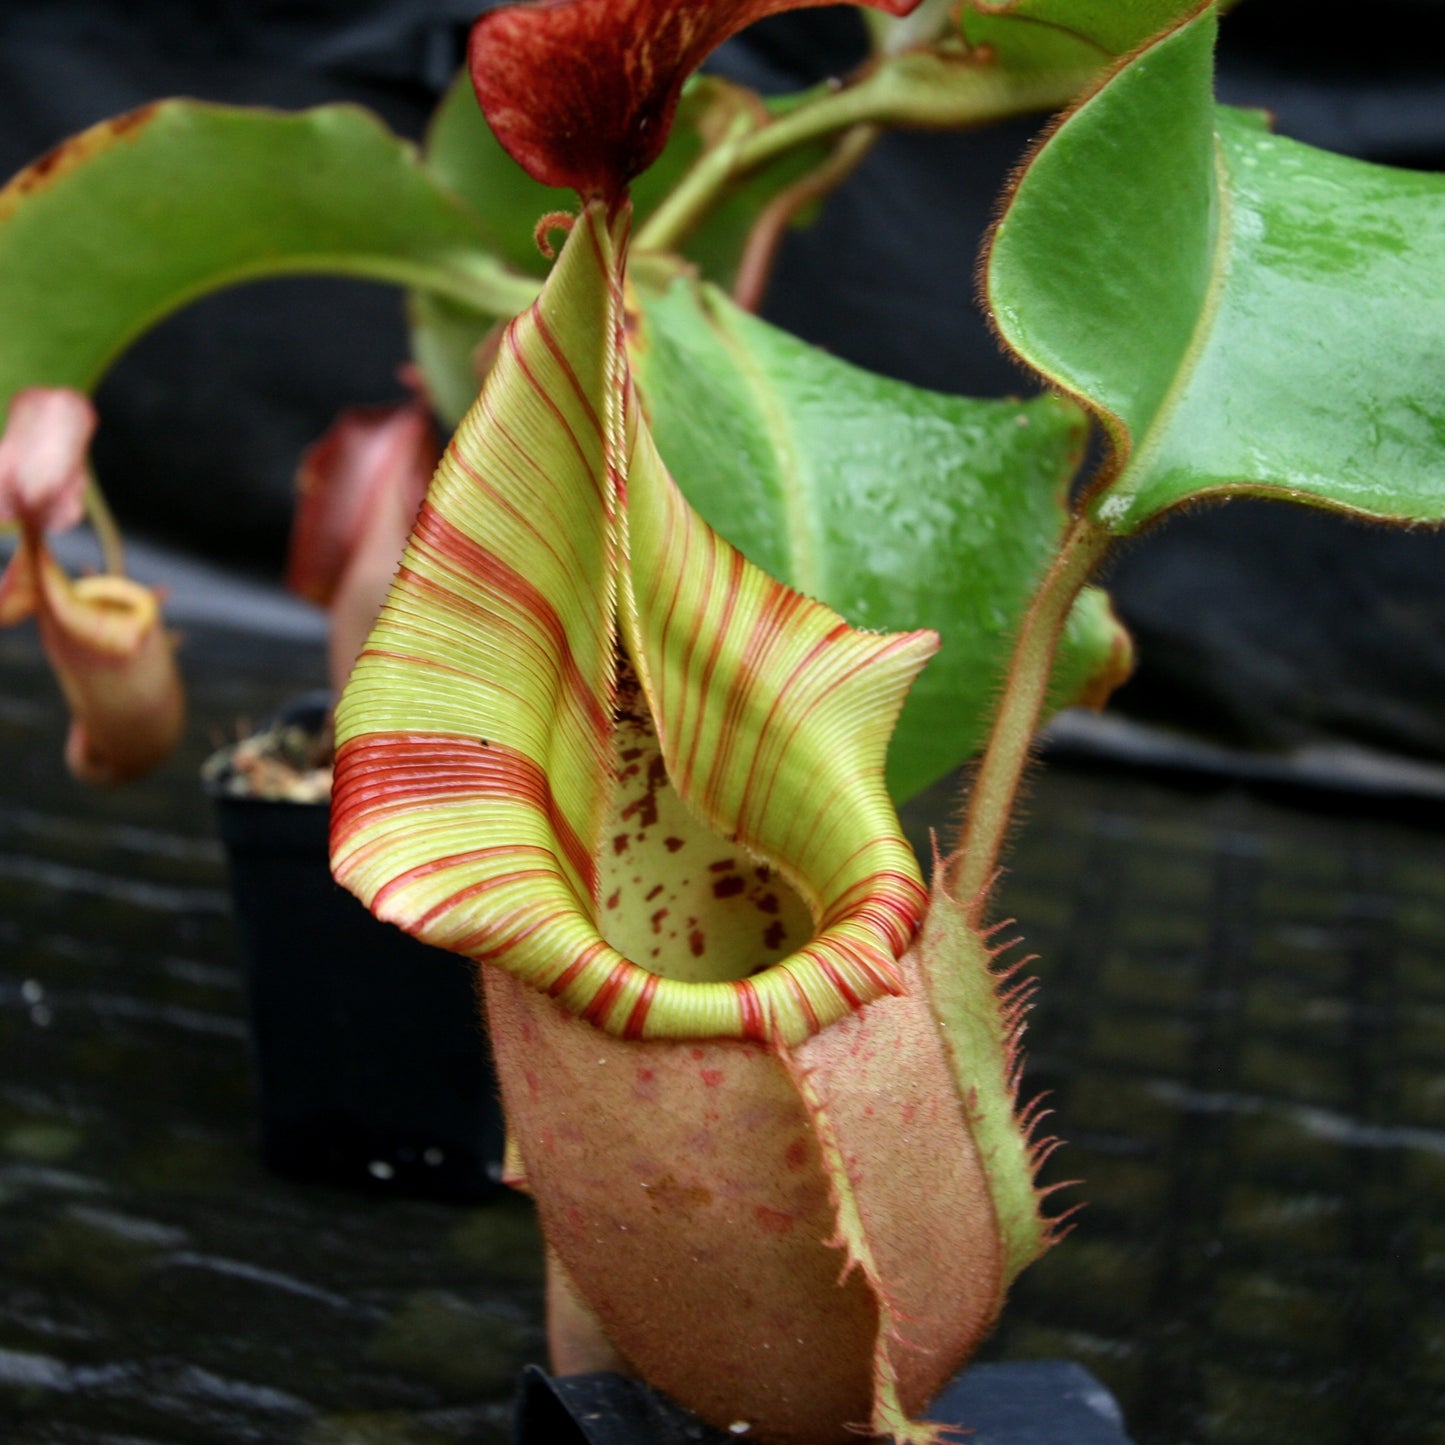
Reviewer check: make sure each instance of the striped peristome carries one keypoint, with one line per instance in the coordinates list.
(476, 740)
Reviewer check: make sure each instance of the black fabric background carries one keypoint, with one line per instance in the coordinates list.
(1255, 622)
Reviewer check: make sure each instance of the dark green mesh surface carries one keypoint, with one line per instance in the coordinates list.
(1243, 1027)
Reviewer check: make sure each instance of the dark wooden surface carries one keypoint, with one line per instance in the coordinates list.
(1243, 1023)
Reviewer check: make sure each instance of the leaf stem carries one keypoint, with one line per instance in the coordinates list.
(475, 281)
(696, 194)
(995, 785)
(103, 524)
(768, 230)
(926, 89)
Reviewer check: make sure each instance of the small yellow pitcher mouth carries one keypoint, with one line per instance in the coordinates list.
(103, 634)
(106, 613)
(112, 657)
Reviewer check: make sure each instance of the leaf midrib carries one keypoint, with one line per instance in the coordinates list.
(1126, 487)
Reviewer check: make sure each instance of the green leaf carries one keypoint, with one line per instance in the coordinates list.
(463, 154)
(1114, 26)
(960, 64)
(1023, 46)
(1243, 312)
(139, 215)
(897, 507)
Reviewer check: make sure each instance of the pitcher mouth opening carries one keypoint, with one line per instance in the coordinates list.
(689, 935)
(710, 940)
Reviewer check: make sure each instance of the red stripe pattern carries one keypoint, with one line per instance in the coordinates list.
(477, 765)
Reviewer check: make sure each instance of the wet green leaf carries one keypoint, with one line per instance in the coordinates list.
(898, 507)
(1244, 313)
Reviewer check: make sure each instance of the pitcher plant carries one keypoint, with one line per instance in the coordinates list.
(689, 606)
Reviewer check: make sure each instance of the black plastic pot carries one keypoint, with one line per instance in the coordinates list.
(371, 1064)
(1028, 1402)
